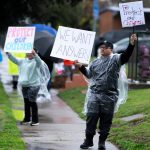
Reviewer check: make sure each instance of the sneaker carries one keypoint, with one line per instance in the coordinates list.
(34, 123)
(25, 122)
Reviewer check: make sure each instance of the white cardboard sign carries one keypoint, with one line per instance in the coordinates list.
(19, 39)
(73, 44)
(132, 14)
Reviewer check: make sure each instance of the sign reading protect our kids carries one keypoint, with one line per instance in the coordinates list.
(73, 44)
(132, 14)
(19, 39)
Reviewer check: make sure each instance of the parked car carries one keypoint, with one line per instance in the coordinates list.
(141, 63)
(121, 45)
(122, 38)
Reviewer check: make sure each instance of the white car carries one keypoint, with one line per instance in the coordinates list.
(121, 45)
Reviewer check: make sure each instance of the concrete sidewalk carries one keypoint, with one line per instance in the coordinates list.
(60, 127)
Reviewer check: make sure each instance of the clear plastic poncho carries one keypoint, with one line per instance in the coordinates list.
(44, 94)
(122, 88)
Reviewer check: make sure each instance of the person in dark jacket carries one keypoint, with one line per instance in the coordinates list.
(103, 74)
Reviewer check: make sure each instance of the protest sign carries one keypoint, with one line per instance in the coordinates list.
(73, 44)
(19, 39)
(132, 14)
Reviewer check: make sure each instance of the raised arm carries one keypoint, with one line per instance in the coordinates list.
(37, 58)
(13, 59)
(124, 58)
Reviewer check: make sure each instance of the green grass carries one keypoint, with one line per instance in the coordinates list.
(133, 135)
(17, 106)
(10, 138)
(75, 99)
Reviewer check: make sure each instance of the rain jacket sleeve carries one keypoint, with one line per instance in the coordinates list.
(86, 72)
(124, 58)
(38, 60)
(13, 59)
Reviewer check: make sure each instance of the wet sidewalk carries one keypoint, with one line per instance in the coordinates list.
(60, 127)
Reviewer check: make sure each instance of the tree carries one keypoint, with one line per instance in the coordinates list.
(11, 12)
(64, 12)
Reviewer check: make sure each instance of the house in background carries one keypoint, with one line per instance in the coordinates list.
(109, 18)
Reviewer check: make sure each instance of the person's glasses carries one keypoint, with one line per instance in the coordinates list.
(103, 47)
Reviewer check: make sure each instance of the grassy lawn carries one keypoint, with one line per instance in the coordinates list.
(10, 138)
(133, 135)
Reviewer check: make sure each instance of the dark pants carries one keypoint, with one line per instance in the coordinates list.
(69, 72)
(105, 121)
(15, 81)
(31, 109)
(49, 84)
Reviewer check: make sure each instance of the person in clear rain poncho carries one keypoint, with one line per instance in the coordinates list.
(32, 76)
(102, 94)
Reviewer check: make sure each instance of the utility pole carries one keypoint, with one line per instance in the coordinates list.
(95, 13)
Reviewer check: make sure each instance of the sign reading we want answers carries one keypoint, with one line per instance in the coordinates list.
(19, 39)
(132, 14)
(73, 44)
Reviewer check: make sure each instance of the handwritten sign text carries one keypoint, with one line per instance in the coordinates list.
(132, 14)
(73, 44)
(19, 39)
